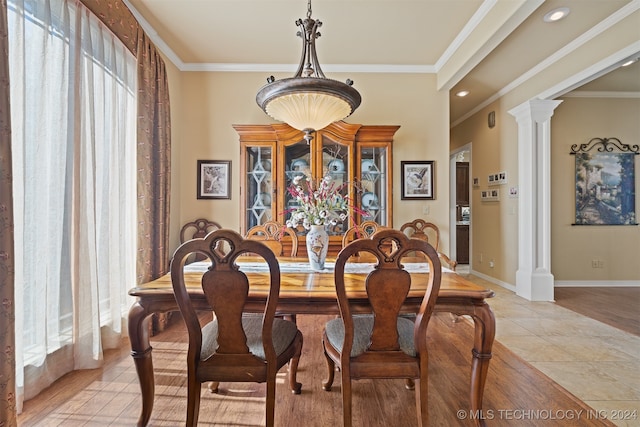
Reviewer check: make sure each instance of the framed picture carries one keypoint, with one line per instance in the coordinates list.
(214, 179)
(417, 180)
(490, 195)
(605, 182)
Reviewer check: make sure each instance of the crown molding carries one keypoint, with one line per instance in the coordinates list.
(466, 32)
(597, 70)
(291, 68)
(601, 94)
(155, 37)
(268, 68)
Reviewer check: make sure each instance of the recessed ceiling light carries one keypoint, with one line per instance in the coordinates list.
(556, 14)
(629, 62)
(462, 93)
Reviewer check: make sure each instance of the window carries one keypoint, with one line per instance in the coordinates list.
(73, 101)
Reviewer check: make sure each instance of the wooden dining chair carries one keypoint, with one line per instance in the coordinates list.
(383, 344)
(197, 229)
(274, 235)
(361, 231)
(234, 347)
(428, 231)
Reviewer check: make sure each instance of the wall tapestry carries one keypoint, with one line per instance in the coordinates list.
(605, 182)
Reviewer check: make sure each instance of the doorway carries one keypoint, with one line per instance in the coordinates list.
(460, 205)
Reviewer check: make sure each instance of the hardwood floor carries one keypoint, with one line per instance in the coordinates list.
(617, 307)
(111, 396)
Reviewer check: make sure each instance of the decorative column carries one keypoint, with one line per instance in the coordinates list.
(534, 280)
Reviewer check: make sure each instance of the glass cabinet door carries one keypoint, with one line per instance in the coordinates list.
(374, 179)
(336, 164)
(259, 185)
(297, 166)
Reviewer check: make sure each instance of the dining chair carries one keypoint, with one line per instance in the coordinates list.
(197, 229)
(361, 231)
(428, 231)
(383, 344)
(234, 346)
(273, 234)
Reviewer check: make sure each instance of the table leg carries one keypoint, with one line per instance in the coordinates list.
(141, 353)
(485, 330)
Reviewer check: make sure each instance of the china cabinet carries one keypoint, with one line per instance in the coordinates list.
(273, 155)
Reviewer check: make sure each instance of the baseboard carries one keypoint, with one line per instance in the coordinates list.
(596, 283)
(567, 283)
(494, 280)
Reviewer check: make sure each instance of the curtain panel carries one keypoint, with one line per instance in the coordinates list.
(118, 18)
(154, 162)
(7, 261)
(154, 138)
(154, 141)
(74, 192)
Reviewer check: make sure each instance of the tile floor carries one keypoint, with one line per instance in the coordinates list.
(597, 363)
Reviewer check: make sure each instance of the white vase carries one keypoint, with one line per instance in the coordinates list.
(317, 246)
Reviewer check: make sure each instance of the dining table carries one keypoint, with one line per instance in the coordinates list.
(305, 291)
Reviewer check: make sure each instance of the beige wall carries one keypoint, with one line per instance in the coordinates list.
(175, 97)
(576, 121)
(494, 225)
(207, 104)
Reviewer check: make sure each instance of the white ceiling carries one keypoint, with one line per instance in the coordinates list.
(480, 46)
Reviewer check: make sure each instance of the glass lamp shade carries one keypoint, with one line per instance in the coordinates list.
(308, 110)
(308, 103)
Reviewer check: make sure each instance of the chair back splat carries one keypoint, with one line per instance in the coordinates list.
(197, 229)
(234, 346)
(384, 344)
(361, 231)
(274, 235)
(428, 231)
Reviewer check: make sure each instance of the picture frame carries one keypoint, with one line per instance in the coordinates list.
(605, 182)
(490, 195)
(417, 180)
(498, 178)
(214, 179)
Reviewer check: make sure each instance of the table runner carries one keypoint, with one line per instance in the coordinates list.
(303, 267)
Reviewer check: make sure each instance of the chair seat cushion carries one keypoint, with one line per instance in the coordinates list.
(362, 328)
(284, 332)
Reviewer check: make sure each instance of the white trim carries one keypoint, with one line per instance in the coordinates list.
(596, 70)
(155, 37)
(597, 283)
(466, 32)
(269, 68)
(291, 68)
(601, 94)
(495, 281)
(579, 79)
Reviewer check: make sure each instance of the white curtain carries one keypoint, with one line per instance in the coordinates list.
(73, 105)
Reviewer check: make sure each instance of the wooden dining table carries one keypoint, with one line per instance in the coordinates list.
(304, 291)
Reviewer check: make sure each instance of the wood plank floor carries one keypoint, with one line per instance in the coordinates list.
(516, 393)
(616, 306)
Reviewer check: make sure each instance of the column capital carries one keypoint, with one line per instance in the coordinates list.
(536, 110)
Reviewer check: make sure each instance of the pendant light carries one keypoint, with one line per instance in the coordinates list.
(308, 101)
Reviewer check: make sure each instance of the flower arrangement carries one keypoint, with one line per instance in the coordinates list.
(319, 203)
